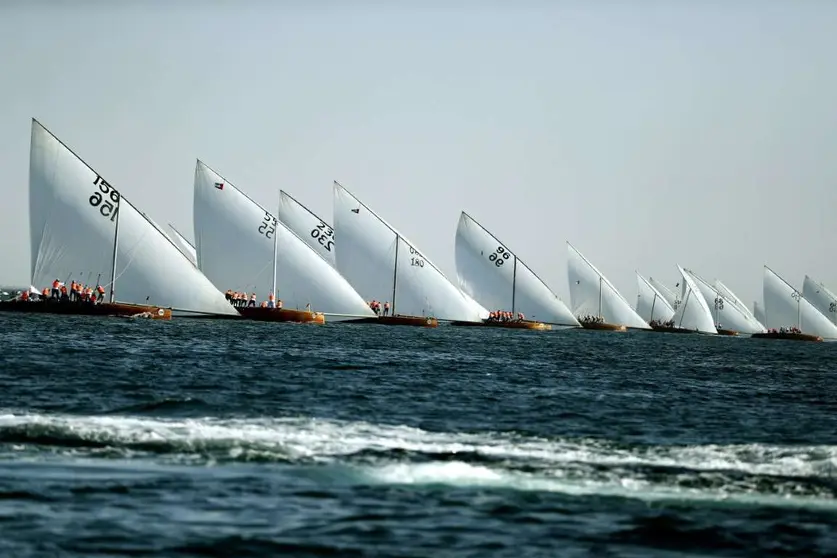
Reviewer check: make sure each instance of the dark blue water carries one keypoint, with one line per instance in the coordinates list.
(130, 437)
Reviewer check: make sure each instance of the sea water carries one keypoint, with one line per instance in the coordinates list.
(201, 438)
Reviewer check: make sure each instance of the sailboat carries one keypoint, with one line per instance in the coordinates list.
(726, 309)
(651, 305)
(494, 276)
(379, 261)
(789, 315)
(83, 229)
(692, 314)
(756, 326)
(272, 313)
(242, 247)
(186, 247)
(821, 297)
(596, 302)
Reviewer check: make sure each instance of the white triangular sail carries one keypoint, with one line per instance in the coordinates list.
(186, 247)
(672, 299)
(651, 305)
(693, 312)
(313, 230)
(758, 312)
(592, 294)
(78, 222)
(784, 306)
(821, 297)
(234, 241)
(730, 298)
(724, 310)
(495, 277)
(383, 265)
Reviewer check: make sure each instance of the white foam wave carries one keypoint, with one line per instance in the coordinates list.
(581, 466)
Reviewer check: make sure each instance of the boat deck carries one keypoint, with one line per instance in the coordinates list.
(415, 321)
(516, 324)
(603, 326)
(259, 314)
(67, 308)
(787, 336)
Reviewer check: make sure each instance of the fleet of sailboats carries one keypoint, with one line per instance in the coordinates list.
(83, 231)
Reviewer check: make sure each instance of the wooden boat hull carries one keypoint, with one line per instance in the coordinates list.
(415, 321)
(86, 309)
(524, 324)
(259, 314)
(667, 329)
(603, 326)
(729, 332)
(787, 336)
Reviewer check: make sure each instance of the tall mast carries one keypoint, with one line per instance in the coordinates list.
(115, 246)
(600, 296)
(514, 282)
(653, 302)
(395, 273)
(275, 257)
(685, 304)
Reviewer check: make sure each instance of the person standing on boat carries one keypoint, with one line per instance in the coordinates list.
(386, 308)
(279, 303)
(271, 301)
(252, 300)
(56, 293)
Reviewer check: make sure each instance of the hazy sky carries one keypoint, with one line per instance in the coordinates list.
(647, 133)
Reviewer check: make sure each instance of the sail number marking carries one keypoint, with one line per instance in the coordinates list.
(416, 259)
(108, 207)
(832, 307)
(719, 303)
(324, 235)
(499, 256)
(268, 225)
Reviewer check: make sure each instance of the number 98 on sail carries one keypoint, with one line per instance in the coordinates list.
(106, 208)
(499, 256)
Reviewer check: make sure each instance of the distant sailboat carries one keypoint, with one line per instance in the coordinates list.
(595, 301)
(494, 276)
(821, 297)
(789, 314)
(380, 262)
(241, 246)
(693, 313)
(83, 229)
(186, 247)
(729, 318)
(756, 325)
(651, 305)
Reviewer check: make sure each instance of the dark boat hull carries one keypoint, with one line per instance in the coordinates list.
(259, 314)
(787, 336)
(523, 324)
(603, 326)
(667, 329)
(415, 321)
(86, 309)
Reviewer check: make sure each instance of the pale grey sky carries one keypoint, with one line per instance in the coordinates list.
(647, 133)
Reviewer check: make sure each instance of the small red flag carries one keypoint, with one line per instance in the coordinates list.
(219, 185)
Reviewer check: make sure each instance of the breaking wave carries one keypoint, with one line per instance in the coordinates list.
(365, 453)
